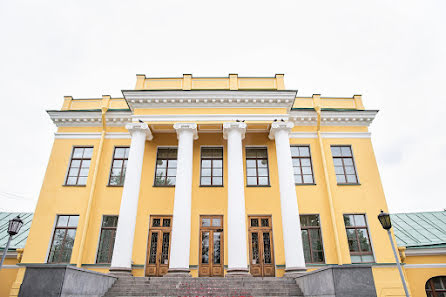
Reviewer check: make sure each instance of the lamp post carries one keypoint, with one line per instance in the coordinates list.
(13, 228)
(384, 219)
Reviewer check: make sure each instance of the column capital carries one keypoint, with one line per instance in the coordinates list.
(277, 126)
(143, 127)
(182, 127)
(228, 126)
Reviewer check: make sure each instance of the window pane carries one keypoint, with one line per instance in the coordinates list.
(116, 172)
(251, 153)
(161, 163)
(156, 222)
(263, 181)
(78, 152)
(75, 163)
(308, 179)
(298, 178)
(337, 162)
(217, 172)
(218, 163)
(110, 221)
(349, 170)
(71, 180)
(340, 179)
(73, 172)
(262, 163)
(364, 240)
(296, 162)
(217, 253)
(68, 245)
(254, 222)
(56, 247)
(255, 248)
(304, 151)
(84, 172)
(339, 170)
(171, 172)
(367, 258)
(306, 244)
(216, 222)
(252, 181)
(86, 163)
(160, 180)
(205, 247)
(170, 181)
(172, 153)
(264, 222)
(166, 222)
(294, 151)
(119, 153)
(206, 163)
(305, 162)
(348, 161)
(315, 237)
(217, 181)
(117, 163)
(205, 181)
(263, 171)
(73, 221)
(349, 221)
(251, 163)
(251, 172)
(88, 152)
(351, 179)
(346, 151)
(356, 259)
(205, 172)
(306, 170)
(106, 243)
(127, 151)
(160, 172)
(82, 181)
(153, 247)
(352, 242)
(206, 153)
(359, 220)
(62, 221)
(205, 222)
(336, 151)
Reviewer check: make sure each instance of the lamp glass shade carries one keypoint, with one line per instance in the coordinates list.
(384, 219)
(14, 225)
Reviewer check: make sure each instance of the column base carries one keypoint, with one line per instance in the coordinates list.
(238, 272)
(120, 271)
(295, 272)
(178, 272)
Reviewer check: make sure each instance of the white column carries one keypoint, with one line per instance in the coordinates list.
(125, 232)
(181, 225)
(234, 132)
(294, 253)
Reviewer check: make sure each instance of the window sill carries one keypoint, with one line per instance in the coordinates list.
(313, 184)
(258, 186)
(115, 186)
(74, 185)
(203, 186)
(167, 186)
(352, 184)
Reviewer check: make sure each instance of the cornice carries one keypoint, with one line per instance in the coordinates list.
(333, 117)
(209, 117)
(425, 251)
(213, 99)
(89, 118)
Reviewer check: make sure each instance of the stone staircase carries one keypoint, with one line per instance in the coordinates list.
(203, 286)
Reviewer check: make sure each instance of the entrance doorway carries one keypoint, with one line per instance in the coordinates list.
(261, 246)
(158, 246)
(211, 246)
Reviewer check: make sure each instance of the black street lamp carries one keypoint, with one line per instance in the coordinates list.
(384, 219)
(13, 228)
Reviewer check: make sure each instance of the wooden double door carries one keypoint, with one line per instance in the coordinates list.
(211, 246)
(261, 246)
(158, 247)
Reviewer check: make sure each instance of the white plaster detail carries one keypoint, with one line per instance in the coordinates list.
(433, 265)
(89, 118)
(234, 132)
(91, 135)
(229, 126)
(292, 238)
(331, 135)
(208, 117)
(425, 251)
(181, 225)
(180, 127)
(122, 252)
(223, 99)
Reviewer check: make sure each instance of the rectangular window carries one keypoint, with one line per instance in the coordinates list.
(63, 239)
(79, 166)
(303, 169)
(119, 165)
(107, 239)
(211, 166)
(257, 172)
(166, 167)
(344, 165)
(358, 238)
(312, 239)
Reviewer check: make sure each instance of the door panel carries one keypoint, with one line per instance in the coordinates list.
(261, 246)
(158, 246)
(211, 246)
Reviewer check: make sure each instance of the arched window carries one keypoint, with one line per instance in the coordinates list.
(436, 287)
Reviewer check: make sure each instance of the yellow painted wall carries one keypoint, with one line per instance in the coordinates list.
(417, 278)
(8, 275)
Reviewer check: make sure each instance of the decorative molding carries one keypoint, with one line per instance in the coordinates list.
(91, 135)
(10, 267)
(331, 135)
(214, 99)
(139, 127)
(276, 126)
(89, 118)
(209, 117)
(425, 252)
(181, 127)
(433, 265)
(241, 126)
(333, 117)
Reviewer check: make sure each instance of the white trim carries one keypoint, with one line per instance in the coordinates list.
(91, 135)
(425, 252)
(333, 118)
(10, 267)
(433, 265)
(89, 118)
(331, 135)
(213, 99)
(208, 117)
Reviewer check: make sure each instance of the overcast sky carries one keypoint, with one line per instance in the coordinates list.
(392, 52)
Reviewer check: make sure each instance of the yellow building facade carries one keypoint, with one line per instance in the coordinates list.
(212, 177)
